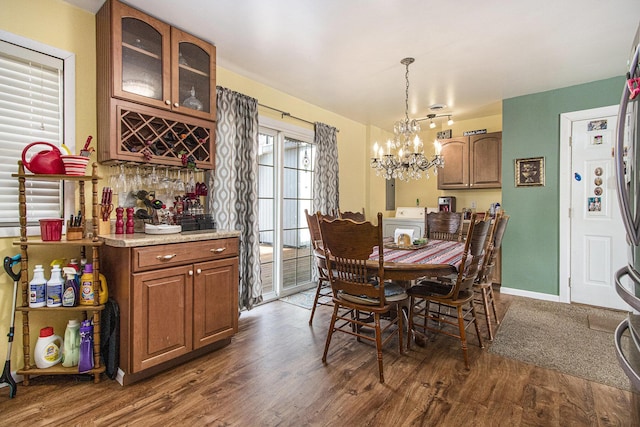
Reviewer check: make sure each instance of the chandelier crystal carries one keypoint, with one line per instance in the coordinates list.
(403, 158)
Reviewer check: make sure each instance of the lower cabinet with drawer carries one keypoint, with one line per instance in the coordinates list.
(177, 301)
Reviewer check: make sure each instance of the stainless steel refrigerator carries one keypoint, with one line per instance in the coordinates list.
(627, 163)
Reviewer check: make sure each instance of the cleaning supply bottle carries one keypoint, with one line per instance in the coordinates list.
(74, 264)
(54, 287)
(38, 288)
(104, 290)
(49, 348)
(71, 352)
(86, 286)
(85, 360)
(70, 293)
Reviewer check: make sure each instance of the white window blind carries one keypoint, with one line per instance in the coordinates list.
(31, 109)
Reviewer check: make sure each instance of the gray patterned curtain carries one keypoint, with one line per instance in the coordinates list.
(234, 187)
(325, 185)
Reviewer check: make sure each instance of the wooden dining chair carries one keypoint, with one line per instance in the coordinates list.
(457, 297)
(444, 225)
(359, 290)
(356, 216)
(483, 287)
(323, 294)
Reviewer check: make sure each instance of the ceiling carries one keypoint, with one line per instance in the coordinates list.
(344, 55)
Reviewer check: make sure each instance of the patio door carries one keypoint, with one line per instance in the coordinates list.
(285, 190)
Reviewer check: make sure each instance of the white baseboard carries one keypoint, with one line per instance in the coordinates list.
(529, 294)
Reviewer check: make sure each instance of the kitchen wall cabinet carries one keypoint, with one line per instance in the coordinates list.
(471, 162)
(147, 62)
(175, 300)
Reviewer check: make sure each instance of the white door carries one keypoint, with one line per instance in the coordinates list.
(598, 242)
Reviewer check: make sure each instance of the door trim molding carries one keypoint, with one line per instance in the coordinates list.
(565, 177)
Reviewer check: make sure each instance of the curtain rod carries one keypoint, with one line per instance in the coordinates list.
(286, 114)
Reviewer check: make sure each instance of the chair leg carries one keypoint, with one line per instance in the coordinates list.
(475, 322)
(493, 305)
(379, 345)
(330, 333)
(315, 300)
(410, 322)
(400, 314)
(463, 336)
(487, 315)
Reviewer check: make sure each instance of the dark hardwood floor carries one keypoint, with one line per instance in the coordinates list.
(272, 375)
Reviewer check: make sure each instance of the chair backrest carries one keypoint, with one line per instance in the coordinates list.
(348, 246)
(493, 246)
(444, 225)
(356, 216)
(314, 230)
(472, 257)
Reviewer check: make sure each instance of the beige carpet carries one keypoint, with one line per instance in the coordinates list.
(574, 339)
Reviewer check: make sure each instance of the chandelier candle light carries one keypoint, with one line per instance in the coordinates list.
(404, 158)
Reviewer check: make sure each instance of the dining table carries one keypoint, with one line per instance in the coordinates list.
(436, 258)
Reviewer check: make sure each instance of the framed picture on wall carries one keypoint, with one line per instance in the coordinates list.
(530, 172)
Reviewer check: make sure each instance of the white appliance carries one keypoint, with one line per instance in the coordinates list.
(627, 162)
(411, 218)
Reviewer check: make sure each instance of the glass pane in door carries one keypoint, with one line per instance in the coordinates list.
(266, 209)
(195, 81)
(297, 188)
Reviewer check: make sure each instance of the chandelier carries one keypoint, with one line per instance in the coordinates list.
(403, 158)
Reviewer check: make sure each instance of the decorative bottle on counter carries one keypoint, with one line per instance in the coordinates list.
(119, 220)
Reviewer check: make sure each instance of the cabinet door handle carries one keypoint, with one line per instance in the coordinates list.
(218, 250)
(198, 271)
(165, 257)
(190, 272)
(167, 101)
(175, 104)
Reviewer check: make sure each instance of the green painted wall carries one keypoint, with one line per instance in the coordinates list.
(531, 128)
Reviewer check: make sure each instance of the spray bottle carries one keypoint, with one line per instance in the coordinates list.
(70, 293)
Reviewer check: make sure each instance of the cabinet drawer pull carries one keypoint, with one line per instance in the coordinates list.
(165, 257)
(218, 250)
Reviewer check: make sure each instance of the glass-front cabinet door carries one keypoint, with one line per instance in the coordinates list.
(161, 66)
(193, 75)
(141, 65)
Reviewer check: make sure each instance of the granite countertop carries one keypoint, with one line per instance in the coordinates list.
(142, 239)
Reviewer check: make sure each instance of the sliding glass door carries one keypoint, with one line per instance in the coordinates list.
(285, 190)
